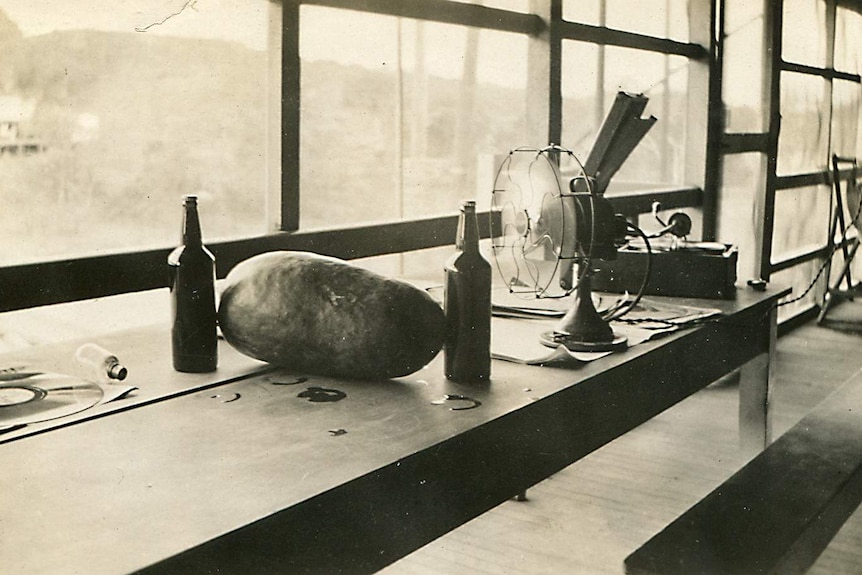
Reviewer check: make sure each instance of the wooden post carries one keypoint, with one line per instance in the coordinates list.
(287, 210)
(543, 69)
(755, 385)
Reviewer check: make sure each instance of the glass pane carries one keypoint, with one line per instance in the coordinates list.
(846, 98)
(584, 11)
(419, 265)
(658, 18)
(742, 87)
(801, 221)
(848, 48)
(803, 140)
(583, 91)
(110, 112)
(739, 223)
(659, 157)
(804, 36)
(402, 118)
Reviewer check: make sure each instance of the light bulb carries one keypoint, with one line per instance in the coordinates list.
(105, 364)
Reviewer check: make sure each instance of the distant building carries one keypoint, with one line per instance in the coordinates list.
(13, 112)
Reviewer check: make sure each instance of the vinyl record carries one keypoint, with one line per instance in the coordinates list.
(32, 396)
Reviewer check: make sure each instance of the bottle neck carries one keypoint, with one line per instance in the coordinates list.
(191, 224)
(468, 229)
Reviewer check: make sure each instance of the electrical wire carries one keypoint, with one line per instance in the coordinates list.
(828, 259)
(618, 313)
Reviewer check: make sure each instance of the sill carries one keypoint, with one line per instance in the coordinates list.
(91, 318)
(47, 283)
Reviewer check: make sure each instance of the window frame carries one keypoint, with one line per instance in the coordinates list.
(73, 279)
(823, 178)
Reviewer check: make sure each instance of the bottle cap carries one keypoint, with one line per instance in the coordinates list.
(468, 204)
(190, 199)
(117, 371)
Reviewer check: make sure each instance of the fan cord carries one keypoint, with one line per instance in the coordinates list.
(619, 312)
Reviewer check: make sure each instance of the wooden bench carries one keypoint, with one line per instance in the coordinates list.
(780, 511)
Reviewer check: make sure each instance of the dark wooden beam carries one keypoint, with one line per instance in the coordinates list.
(744, 143)
(773, 15)
(813, 254)
(807, 256)
(555, 94)
(44, 283)
(31, 285)
(610, 37)
(290, 117)
(715, 123)
(826, 73)
(635, 203)
(803, 180)
(446, 12)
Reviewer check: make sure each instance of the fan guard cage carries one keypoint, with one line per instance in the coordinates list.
(533, 221)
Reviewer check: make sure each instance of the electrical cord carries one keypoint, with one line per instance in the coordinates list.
(827, 260)
(616, 314)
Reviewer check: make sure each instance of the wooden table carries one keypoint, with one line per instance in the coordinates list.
(192, 475)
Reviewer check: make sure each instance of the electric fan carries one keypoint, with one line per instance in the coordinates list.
(543, 228)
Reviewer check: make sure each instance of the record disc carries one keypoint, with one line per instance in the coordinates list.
(32, 396)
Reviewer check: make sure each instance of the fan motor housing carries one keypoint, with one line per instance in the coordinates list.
(600, 232)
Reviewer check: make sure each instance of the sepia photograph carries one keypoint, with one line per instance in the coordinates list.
(430, 287)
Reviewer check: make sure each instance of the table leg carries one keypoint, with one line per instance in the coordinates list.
(755, 383)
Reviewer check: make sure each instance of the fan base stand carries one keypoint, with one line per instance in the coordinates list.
(553, 339)
(583, 328)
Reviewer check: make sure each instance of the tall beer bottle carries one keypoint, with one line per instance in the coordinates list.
(192, 265)
(467, 302)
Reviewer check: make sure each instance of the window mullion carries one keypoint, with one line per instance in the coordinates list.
(288, 219)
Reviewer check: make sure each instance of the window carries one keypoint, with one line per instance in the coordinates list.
(744, 52)
(658, 159)
(804, 138)
(812, 113)
(392, 113)
(110, 112)
(846, 100)
(657, 18)
(739, 222)
(637, 48)
(402, 118)
(804, 217)
(848, 29)
(804, 39)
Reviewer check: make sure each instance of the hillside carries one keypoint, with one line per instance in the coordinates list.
(132, 122)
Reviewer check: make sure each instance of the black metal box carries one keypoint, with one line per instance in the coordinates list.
(683, 272)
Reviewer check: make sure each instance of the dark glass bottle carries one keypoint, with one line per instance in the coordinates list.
(467, 302)
(192, 265)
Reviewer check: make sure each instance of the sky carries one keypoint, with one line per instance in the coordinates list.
(373, 41)
(243, 21)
